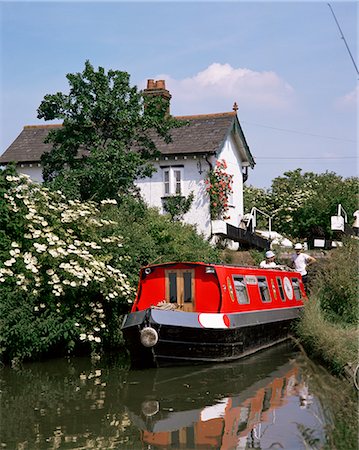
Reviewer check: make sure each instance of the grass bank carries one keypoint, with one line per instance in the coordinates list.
(328, 328)
(328, 331)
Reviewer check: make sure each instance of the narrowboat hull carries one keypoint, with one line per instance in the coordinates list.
(179, 338)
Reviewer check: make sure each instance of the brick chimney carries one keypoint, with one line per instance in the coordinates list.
(158, 88)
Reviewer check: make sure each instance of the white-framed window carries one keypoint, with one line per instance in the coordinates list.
(172, 180)
(241, 289)
(263, 289)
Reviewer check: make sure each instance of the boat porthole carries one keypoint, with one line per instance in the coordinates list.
(288, 288)
(148, 337)
(150, 408)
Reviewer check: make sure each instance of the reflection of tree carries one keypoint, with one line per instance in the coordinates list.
(59, 404)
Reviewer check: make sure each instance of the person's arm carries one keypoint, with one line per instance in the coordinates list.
(310, 260)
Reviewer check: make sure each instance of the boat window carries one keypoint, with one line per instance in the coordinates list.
(241, 290)
(297, 292)
(281, 291)
(187, 286)
(173, 287)
(263, 289)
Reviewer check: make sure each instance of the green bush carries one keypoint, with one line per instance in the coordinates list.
(328, 327)
(336, 346)
(58, 287)
(152, 238)
(337, 283)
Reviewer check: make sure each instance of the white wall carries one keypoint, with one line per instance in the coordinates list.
(34, 172)
(234, 166)
(152, 190)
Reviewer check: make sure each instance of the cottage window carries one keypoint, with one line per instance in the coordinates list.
(166, 181)
(281, 291)
(172, 180)
(241, 290)
(297, 292)
(263, 289)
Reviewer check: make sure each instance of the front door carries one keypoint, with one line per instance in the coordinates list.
(180, 288)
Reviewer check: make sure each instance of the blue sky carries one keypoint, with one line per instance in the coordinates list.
(284, 63)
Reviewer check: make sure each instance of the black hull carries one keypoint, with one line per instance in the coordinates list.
(182, 340)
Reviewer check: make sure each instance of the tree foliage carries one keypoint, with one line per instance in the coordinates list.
(302, 204)
(106, 141)
(178, 205)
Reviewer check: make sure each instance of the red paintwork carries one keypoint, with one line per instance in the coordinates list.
(213, 291)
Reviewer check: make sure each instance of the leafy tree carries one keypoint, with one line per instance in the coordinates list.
(106, 141)
(259, 197)
(301, 204)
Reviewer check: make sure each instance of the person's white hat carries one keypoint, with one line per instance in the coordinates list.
(298, 246)
(270, 254)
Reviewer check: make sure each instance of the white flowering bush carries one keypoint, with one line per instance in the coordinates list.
(61, 282)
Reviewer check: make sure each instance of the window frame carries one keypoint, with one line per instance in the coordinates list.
(243, 281)
(260, 280)
(172, 182)
(296, 288)
(281, 289)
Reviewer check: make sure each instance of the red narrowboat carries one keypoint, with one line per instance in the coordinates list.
(188, 313)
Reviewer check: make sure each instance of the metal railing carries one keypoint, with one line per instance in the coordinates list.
(253, 219)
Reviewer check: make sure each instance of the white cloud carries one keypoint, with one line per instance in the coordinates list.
(349, 100)
(218, 86)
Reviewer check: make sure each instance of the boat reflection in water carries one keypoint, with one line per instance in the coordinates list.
(231, 406)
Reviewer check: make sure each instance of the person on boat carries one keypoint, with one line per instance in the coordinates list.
(300, 262)
(269, 262)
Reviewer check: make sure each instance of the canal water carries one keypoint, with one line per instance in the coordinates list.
(265, 402)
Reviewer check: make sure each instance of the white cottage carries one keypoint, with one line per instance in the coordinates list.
(181, 169)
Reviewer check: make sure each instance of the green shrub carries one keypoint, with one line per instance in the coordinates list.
(328, 327)
(58, 286)
(337, 283)
(336, 346)
(149, 237)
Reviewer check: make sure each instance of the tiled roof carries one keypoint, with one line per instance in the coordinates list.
(204, 134)
(29, 145)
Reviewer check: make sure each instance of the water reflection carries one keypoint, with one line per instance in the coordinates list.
(253, 403)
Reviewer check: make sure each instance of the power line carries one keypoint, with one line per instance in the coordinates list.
(345, 42)
(298, 132)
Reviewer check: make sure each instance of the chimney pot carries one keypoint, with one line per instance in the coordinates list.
(150, 84)
(160, 84)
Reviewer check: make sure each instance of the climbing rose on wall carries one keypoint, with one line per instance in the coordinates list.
(219, 188)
